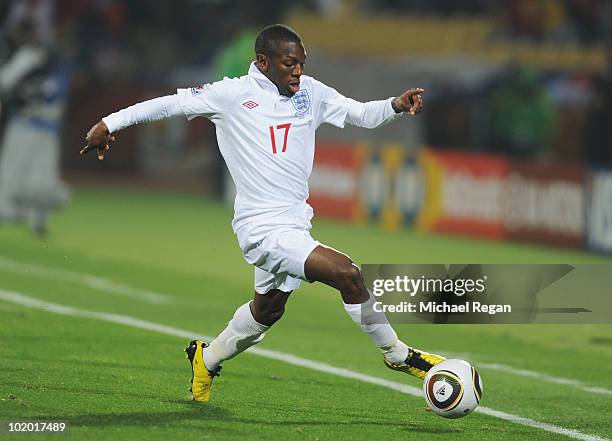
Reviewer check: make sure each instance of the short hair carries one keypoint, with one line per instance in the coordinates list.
(267, 41)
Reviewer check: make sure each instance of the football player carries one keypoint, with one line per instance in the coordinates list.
(265, 123)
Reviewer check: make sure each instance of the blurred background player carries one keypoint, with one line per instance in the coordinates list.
(33, 92)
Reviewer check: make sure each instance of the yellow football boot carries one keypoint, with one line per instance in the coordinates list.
(201, 378)
(417, 363)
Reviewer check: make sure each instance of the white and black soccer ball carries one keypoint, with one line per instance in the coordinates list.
(453, 388)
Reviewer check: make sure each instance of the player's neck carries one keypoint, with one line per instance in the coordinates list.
(263, 79)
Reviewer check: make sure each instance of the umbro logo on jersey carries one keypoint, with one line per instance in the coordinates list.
(250, 104)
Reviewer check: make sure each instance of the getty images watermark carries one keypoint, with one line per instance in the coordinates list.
(430, 286)
(490, 293)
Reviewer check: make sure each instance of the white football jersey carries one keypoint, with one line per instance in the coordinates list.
(268, 140)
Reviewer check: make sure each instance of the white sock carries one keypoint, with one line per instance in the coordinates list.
(375, 324)
(242, 332)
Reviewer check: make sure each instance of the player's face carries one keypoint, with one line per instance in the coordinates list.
(285, 67)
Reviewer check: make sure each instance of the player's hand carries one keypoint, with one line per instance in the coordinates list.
(410, 101)
(98, 138)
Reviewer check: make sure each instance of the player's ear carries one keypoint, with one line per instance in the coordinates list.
(263, 62)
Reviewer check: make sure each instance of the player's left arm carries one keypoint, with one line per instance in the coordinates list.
(374, 114)
(411, 101)
(337, 109)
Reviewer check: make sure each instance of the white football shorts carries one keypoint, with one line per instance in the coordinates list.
(278, 248)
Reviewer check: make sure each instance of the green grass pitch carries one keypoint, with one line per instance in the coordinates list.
(116, 382)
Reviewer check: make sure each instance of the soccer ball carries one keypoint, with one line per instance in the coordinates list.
(452, 388)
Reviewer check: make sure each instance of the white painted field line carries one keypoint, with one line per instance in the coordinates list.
(98, 283)
(31, 302)
(545, 377)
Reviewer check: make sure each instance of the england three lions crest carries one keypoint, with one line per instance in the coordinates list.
(301, 102)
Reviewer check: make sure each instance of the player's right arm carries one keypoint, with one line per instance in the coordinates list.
(98, 138)
(209, 100)
(100, 135)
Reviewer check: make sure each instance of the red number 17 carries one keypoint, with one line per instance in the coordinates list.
(273, 137)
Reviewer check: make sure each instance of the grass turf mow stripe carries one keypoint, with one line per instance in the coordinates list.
(113, 287)
(31, 302)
